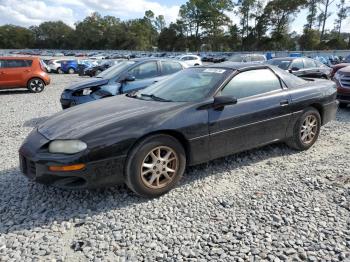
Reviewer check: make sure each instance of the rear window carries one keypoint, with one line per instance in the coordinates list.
(17, 63)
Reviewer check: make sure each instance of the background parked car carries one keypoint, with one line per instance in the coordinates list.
(55, 66)
(247, 58)
(95, 70)
(337, 67)
(23, 72)
(69, 66)
(302, 67)
(190, 60)
(124, 77)
(342, 79)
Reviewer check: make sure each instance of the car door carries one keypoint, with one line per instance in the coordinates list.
(14, 72)
(144, 74)
(310, 68)
(3, 80)
(261, 115)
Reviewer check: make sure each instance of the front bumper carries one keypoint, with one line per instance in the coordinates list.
(34, 164)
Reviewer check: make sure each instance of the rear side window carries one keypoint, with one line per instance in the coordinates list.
(309, 63)
(257, 58)
(251, 83)
(18, 63)
(297, 63)
(146, 70)
(170, 67)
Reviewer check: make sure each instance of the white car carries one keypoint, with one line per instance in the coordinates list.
(54, 66)
(98, 57)
(190, 60)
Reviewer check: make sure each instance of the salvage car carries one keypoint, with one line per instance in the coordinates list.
(342, 79)
(302, 67)
(23, 72)
(146, 139)
(125, 77)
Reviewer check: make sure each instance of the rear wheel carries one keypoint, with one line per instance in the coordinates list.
(155, 165)
(36, 85)
(306, 130)
(60, 71)
(343, 105)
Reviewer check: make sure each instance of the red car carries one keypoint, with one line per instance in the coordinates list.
(342, 79)
(23, 72)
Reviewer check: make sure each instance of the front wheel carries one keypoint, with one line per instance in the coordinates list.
(306, 130)
(71, 71)
(155, 165)
(36, 85)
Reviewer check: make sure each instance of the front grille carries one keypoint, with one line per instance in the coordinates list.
(345, 81)
(28, 167)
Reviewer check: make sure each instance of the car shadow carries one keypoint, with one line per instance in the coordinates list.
(343, 115)
(25, 205)
(35, 121)
(14, 92)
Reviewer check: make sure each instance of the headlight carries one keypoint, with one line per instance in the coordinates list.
(87, 91)
(67, 146)
(337, 76)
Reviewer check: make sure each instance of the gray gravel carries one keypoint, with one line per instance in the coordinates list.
(271, 204)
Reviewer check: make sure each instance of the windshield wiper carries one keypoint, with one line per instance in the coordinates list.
(156, 98)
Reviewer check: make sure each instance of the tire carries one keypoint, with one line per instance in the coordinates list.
(343, 105)
(71, 71)
(36, 85)
(156, 179)
(312, 120)
(60, 71)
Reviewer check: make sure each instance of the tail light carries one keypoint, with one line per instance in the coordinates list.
(42, 66)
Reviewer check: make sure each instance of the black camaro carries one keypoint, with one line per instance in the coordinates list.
(146, 139)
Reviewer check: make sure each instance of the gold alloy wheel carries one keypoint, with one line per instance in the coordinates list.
(159, 167)
(309, 129)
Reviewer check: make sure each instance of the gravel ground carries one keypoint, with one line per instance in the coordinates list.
(270, 204)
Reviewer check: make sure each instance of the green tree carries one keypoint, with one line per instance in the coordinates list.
(12, 36)
(343, 11)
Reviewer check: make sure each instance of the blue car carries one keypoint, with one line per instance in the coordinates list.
(123, 78)
(69, 66)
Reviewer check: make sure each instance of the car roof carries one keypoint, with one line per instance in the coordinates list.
(239, 66)
(287, 58)
(19, 57)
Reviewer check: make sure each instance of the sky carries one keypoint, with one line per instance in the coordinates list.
(33, 12)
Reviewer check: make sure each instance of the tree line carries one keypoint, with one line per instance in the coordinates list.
(202, 25)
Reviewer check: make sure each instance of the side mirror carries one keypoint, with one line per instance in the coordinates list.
(129, 78)
(222, 101)
(294, 68)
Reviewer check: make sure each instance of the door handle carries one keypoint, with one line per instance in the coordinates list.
(27, 70)
(284, 102)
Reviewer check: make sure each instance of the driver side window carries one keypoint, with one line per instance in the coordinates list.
(251, 83)
(145, 70)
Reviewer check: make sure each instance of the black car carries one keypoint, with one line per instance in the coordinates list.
(124, 77)
(302, 67)
(95, 70)
(146, 139)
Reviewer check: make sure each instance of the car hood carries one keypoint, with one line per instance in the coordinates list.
(345, 70)
(81, 120)
(88, 83)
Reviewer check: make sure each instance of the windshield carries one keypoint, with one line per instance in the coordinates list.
(191, 84)
(115, 70)
(283, 64)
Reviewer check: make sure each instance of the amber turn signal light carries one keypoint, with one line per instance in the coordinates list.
(67, 168)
